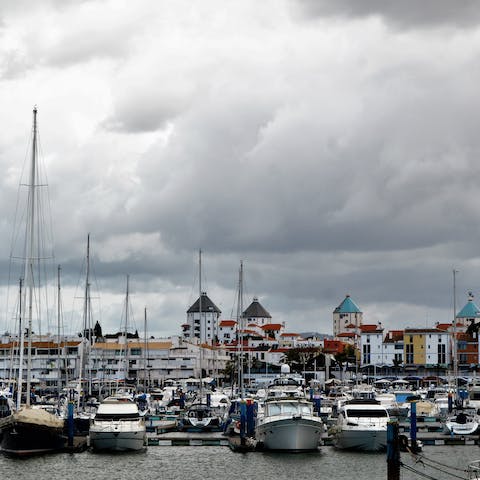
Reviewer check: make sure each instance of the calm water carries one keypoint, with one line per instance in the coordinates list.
(191, 463)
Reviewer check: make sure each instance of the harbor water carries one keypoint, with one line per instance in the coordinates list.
(203, 462)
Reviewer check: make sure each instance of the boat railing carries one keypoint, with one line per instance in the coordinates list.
(474, 470)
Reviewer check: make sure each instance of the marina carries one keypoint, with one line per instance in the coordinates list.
(200, 462)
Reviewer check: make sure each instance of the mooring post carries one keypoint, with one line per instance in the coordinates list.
(250, 418)
(70, 423)
(243, 421)
(393, 452)
(413, 425)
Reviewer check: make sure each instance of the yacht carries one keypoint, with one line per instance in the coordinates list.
(287, 421)
(361, 425)
(117, 426)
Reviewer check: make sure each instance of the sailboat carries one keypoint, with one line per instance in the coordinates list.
(28, 430)
(202, 415)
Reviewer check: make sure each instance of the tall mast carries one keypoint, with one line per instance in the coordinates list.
(21, 346)
(30, 246)
(59, 358)
(145, 353)
(202, 327)
(454, 345)
(240, 327)
(86, 327)
(126, 327)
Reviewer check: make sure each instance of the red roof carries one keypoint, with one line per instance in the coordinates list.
(346, 335)
(272, 326)
(351, 325)
(290, 335)
(227, 323)
(370, 328)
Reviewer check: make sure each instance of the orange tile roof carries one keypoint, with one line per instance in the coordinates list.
(370, 328)
(227, 323)
(272, 326)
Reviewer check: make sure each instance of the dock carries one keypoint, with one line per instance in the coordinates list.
(193, 439)
(187, 439)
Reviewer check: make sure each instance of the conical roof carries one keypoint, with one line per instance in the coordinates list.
(255, 310)
(347, 306)
(207, 305)
(470, 310)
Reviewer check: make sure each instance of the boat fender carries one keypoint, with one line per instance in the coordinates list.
(403, 442)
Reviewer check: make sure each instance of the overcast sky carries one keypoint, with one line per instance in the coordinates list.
(333, 146)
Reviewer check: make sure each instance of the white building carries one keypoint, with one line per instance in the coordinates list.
(202, 321)
(347, 313)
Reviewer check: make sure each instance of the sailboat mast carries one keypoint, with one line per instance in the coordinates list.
(202, 327)
(86, 332)
(59, 366)
(240, 325)
(126, 328)
(30, 245)
(454, 344)
(145, 351)
(21, 346)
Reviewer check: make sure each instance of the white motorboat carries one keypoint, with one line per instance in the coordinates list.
(287, 421)
(361, 425)
(117, 426)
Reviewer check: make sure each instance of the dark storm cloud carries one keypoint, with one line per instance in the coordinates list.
(332, 160)
(404, 14)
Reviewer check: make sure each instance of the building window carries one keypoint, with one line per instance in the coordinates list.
(409, 353)
(442, 356)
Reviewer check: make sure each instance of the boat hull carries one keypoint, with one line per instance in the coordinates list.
(290, 434)
(117, 441)
(363, 440)
(25, 439)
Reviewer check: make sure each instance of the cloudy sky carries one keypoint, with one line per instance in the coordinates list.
(333, 146)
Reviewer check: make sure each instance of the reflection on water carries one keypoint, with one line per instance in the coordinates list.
(192, 463)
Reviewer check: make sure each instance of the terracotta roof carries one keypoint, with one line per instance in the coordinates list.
(227, 323)
(272, 326)
(119, 346)
(397, 336)
(371, 328)
(42, 344)
(290, 335)
(346, 335)
(443, 326)
(351, 325)
(421, 330)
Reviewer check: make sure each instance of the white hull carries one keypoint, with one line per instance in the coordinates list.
(363, 440)
(118, 441)
(468, 428)
(292, 434)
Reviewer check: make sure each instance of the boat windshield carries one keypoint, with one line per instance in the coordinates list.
(288, 408)
(367, 413)
(116, 416)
